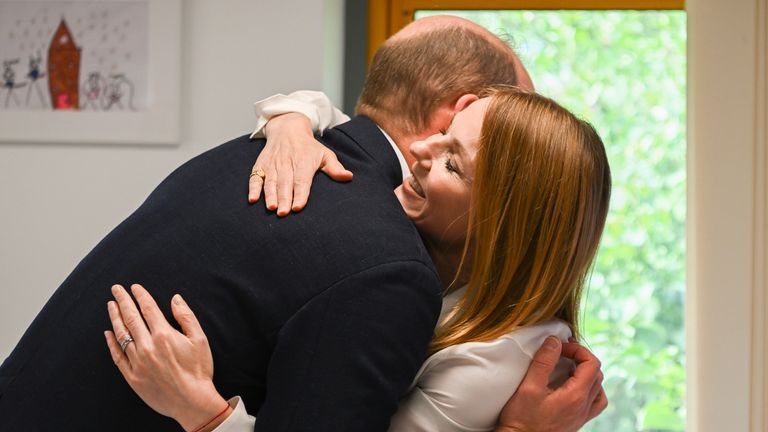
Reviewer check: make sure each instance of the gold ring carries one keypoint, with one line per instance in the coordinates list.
(259, 172)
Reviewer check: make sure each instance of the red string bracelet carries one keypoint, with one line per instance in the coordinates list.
(214, 418)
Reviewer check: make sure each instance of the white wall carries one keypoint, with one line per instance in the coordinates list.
(727, 304)
(57, 201)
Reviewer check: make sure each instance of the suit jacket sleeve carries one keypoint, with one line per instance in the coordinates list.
(343, 361)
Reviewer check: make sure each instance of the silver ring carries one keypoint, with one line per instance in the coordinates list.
(125, 341)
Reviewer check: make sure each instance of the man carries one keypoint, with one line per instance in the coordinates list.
(321, 319)
(413, 86)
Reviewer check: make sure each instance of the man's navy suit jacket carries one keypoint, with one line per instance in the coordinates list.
(318, 320)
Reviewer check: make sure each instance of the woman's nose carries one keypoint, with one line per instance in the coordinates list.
(424, 150)
(421, 152)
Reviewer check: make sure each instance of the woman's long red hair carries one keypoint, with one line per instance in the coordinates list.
(539, 203)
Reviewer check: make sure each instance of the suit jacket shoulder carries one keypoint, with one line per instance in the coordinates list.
(263, 288)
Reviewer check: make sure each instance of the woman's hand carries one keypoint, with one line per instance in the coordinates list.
(171, 371)
(289, 161)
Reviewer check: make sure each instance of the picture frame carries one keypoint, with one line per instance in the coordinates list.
(157, 122)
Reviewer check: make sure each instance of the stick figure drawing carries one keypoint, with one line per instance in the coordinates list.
(34, 75)
(9, 82)
(93, 87)
(116, 89)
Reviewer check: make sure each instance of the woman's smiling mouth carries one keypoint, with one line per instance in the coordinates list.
(416, 186)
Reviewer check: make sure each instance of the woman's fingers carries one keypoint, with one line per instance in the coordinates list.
(304, 173)
(131, 317)
(289, 161)
(149, 309)
(120, 333)
(285, 188)
(255, 184)
(118, 356)
(270, 188)
(331, 166)
(170, 371)
(302, 183)
(186, 318)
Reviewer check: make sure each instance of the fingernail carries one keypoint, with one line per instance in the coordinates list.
(177, 299)
(551, 342)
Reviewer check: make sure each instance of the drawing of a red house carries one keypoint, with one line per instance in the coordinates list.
(64, 69)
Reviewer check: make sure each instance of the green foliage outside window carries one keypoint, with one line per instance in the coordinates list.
(624, 71)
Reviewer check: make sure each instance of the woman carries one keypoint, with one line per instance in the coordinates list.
(514, 197)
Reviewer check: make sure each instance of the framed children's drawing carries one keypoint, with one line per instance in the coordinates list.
(97, 71)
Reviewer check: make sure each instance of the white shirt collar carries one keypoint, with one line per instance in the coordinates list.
(400, 158)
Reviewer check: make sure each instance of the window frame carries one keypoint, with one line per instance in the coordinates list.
(726, 308)
(386, 17)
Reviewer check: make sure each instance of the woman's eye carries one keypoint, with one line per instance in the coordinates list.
(450, 166)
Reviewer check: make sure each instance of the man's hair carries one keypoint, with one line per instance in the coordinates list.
(411, 76)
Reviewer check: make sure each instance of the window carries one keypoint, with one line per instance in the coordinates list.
(625, 72)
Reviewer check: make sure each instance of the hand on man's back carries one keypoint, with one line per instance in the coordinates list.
(536, 407)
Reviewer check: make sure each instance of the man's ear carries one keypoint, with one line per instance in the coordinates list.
(464, 101)
(443, 116)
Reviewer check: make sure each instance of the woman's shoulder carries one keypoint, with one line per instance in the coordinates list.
(529, 339)
(523, 340)
(469, 383)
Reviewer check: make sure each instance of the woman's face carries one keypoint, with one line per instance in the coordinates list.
(436, 196)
